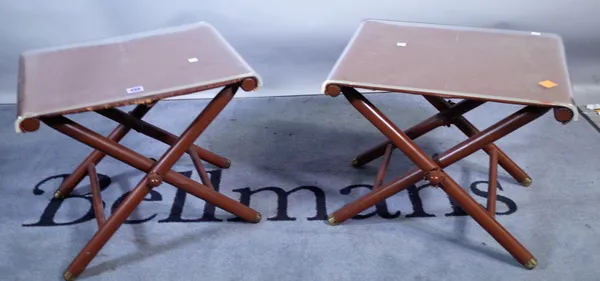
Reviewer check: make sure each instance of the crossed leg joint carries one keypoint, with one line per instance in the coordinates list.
(132, 120)
(450, 114)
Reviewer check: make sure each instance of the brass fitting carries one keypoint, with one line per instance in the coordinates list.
(526, 182)
(68, 276)
(58, 195)
(531, 264)
(331, 220)
(258, 217)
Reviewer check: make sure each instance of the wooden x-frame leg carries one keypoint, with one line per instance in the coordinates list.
(431, 168)
(156, 173)
(453, 117)
(128, 121)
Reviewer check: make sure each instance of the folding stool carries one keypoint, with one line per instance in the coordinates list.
(437, 62)
(140, 70)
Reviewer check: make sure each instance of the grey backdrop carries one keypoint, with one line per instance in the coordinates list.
(292, 44)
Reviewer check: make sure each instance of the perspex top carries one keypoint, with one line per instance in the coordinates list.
(132, 69)
(456, 62)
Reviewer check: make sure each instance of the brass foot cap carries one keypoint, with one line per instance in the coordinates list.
(58, 195)
(258, 217)
(227, 164)
(527, 182)
(331, 220)
(531, 264)
(355, 162)
(68, 276)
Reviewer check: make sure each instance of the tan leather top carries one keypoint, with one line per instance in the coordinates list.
(460, 62)
(126, 70)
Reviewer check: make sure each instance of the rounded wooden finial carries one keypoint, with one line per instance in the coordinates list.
(563, 114)
(29, 125)
(333, 90)
(249, 84)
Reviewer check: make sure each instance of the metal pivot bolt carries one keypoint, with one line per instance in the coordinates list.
(154, 179)
(435, 177)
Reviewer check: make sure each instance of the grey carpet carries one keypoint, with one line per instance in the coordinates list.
(307, 142)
